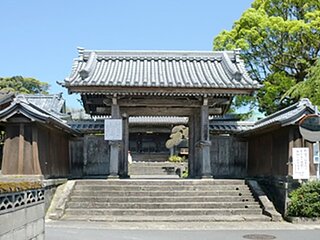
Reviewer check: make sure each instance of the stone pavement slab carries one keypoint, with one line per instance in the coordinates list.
(221, 231)
(182, 226)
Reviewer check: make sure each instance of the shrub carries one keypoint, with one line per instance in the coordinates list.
(185, 173)
(305, 201)
(176, 159)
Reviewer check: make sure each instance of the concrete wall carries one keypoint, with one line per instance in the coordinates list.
(278, 190)
(20, 218)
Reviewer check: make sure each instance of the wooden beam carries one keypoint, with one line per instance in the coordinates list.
(290, 146)
(86, 106)
(35, 151)
(160, 91)
(125, 142)
(192, 142)
(155, 101)
(21, 149)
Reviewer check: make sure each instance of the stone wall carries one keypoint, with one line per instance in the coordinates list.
(22, 215)
(278, 190)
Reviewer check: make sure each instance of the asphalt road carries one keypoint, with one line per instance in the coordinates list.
(189, 231)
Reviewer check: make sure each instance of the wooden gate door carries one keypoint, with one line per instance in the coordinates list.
(96, 156)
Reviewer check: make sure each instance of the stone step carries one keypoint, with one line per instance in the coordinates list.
(159, 219)
(154, 176)
(163, 205)
(150, 168)
(163, 200)
(167, 163)
(162, 212)
(148, 199)
(159, 187)
(149, 158)
(163, 182)
(163, 193)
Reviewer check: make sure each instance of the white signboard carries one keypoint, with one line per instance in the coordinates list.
(316, 155)
(113, 129)
(300, 161)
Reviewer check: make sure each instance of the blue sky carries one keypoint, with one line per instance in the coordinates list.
(40, 38)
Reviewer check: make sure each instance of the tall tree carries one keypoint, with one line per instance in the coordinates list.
(309, 88)
(280, 41)
(23, 85)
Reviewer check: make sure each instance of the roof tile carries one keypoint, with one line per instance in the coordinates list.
(159, 69)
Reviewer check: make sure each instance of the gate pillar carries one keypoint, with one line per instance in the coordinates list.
(115, 146)
(205, 143)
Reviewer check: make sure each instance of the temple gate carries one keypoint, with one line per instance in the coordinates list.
(122, 84)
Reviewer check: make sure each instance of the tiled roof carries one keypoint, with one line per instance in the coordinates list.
(5, 97)
(226, 124)
(165, 69)
(52, 103)
(287, 116)
(21, 105)
(230, 126)
(98, 124)
(158, 120)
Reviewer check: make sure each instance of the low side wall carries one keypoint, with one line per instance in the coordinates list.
(278, 189)
(22, 215)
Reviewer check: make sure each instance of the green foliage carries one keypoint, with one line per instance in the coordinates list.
(280, 41)
(305, 201)
(185, 173)
(309, 88)
(23, 85)
(176, 159)
(7, 187)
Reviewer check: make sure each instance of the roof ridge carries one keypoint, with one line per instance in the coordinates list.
(280, 112)
(156, 53)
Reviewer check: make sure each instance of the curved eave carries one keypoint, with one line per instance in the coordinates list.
(160, 91)
(293, 120)
(29, 113)
(159, 69)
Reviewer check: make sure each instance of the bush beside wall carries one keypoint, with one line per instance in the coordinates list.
(305, 201)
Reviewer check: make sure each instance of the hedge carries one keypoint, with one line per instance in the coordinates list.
(305, 201)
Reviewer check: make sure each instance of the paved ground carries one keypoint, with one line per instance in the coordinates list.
(61, 230)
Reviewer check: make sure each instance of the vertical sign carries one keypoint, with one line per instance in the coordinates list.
(113, 129)
(300, 160)
(316, 155)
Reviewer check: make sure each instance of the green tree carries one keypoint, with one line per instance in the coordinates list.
(23, 85)
(309, 88)
(280, 41)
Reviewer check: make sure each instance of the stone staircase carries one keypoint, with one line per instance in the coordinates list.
(153, 169)
(162, 201)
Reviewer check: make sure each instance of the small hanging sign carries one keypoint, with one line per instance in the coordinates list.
(113, 129)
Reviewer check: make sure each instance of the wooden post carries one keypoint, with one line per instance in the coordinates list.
(35, 151)
(191, 147)
(291, 145)
(21, 149)
(114, 145)
(125, 149)
(205, 141)
(197, 147)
